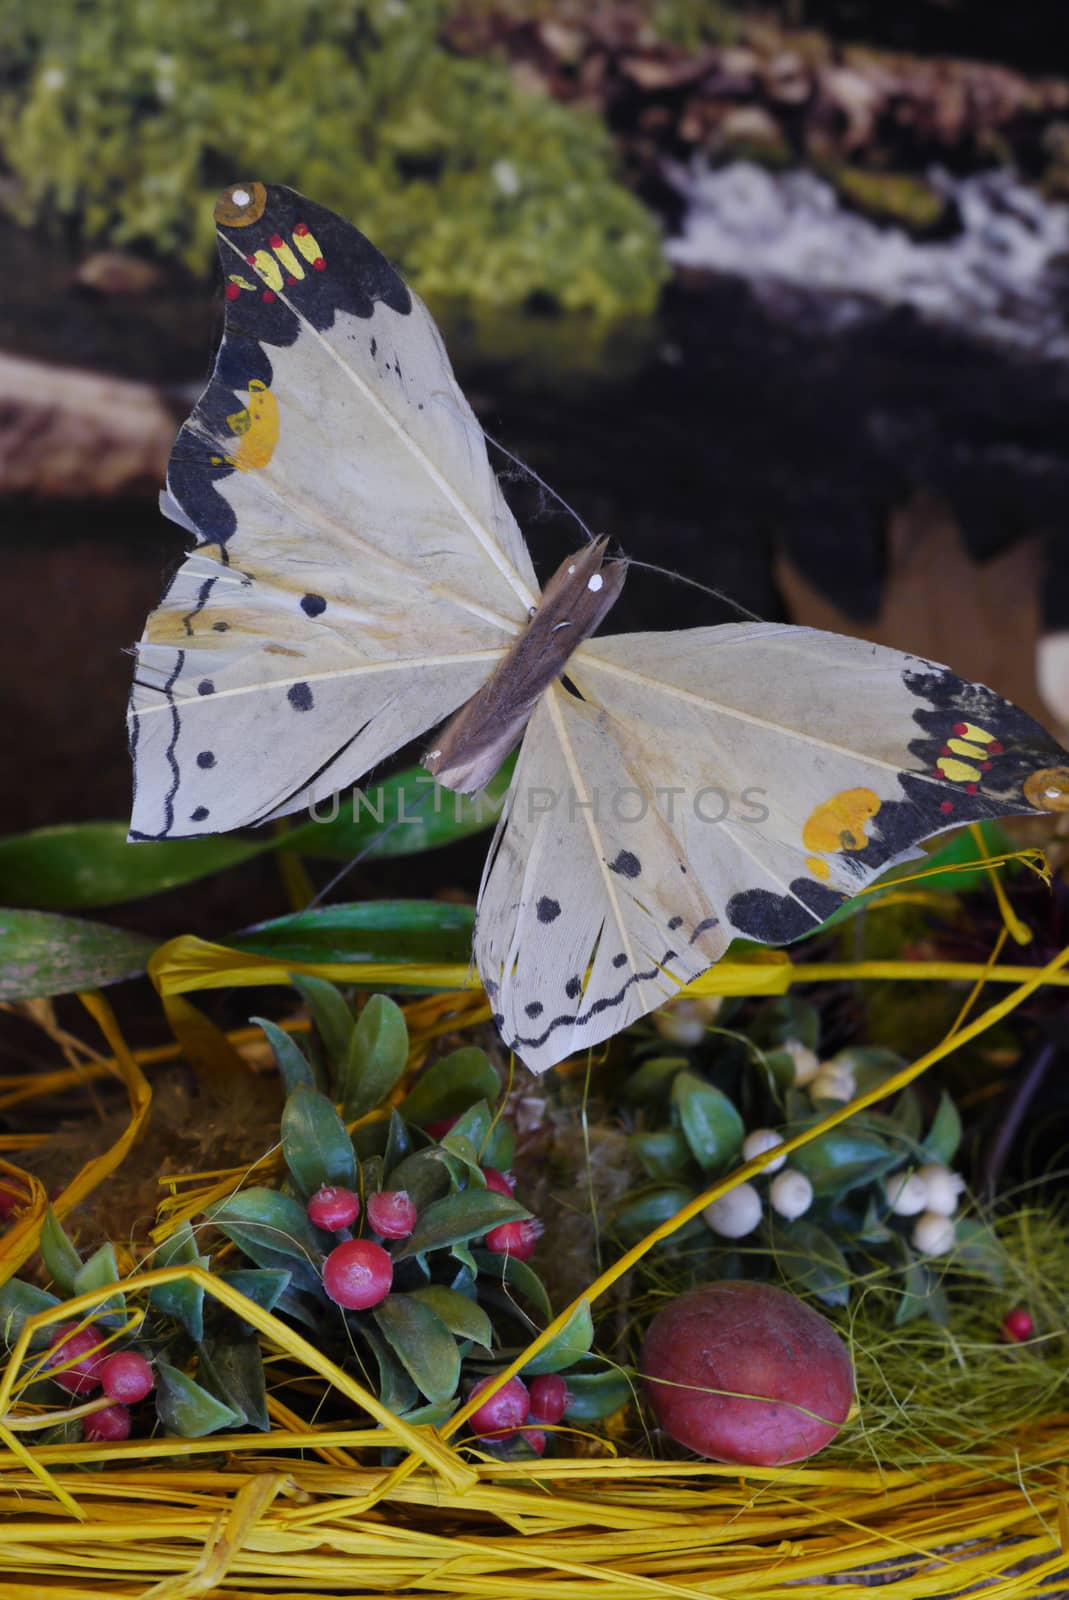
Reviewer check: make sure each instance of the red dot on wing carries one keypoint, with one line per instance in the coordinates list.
(277, 241)
(319, 264)
(971, 788)
(995, 748)
(960, 728)
(947, 805)
(301, 228)
(232, 291)
(251, 260)
(267, 296)
(290, 278)
(985, 766)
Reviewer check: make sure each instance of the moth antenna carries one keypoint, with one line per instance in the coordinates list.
(529, 472)
(344, 872)
(681, 577)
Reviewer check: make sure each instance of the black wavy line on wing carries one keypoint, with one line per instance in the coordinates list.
(169, 754)
(579, 1019)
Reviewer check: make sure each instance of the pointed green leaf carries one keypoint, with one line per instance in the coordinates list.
(653, 1080)
(944, 1135)
(467, 1215)
(18, 1302)
(423, 1175)
(460, 1314)
(42, 954)
(263, 1288)
(378, 1051)
(517, 1277)
(61, 1259)
(76, 866)
(500, 1146)
(395, 1389)
(182, 1301)
(422, 1343)
(469, 1133)
(315, 1143)
(379, 930)
(273, 1230)
(233, 1370)
(101, 1268)
(398, 1146)
(330, 1013)
(186, 1409)
(431, 1416)
(710, 1122)
(294, 1066)
(598, 1394)
(648, 1210)
(841, 1160)
(449, 1086)
(663, 1152)
(568, 1346)
(812, 1262)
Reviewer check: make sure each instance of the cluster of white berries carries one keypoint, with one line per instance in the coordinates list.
(686, 1020)
(738, 1212)
(931, 1194)
(825, 1080)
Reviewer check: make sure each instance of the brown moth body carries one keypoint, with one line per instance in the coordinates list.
(476, 740)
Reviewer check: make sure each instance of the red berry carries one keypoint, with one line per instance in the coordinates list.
(72, 1344)
(515, 1238)
(1017, 1325)
(126, 1376)
(392, 1213)
(333, 1208)
(502, 1414)
(499, 1182)
(358, 1274)
(109, 1426)
(535, 1438)
(549, 1398)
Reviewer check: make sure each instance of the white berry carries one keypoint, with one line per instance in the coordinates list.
(833, 1081)
(933, 1234)
(907, 1193)
(686, 1020)
(943, 1188)
(736, 1213)
(760, 1140)
(791, 1194)
(806, 1061)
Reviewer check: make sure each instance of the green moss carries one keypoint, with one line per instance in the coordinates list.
(122, 122)
(897, 197)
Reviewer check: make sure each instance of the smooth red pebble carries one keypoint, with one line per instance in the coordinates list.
(503, 1412)
(1017, 1325)
(108, 1426)
(392, 1213)
(498, 1182)
(83, 1375)
(127, 1376)
(549, 1398)
(333, 1207)
(745, 1372)
(358, 1274)
(515, 1238)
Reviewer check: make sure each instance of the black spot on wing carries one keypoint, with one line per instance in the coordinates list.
(205, 759)
(626, 864)
(778, 918)
(573, 988)
(205, 686)
(535, 1009)
(313, 605)
(578, 1019)
(548, 910)
(199, 814)
(300, 697)
(674, 923)
(620, 960)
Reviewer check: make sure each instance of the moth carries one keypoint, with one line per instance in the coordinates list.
(358, 581)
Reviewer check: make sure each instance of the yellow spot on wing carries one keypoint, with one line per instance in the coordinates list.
(288, 259)
(958, 771)
(839, 823)
(257, 428)
(818, 868)
(267, 268)
(980, 735)
(960, 747)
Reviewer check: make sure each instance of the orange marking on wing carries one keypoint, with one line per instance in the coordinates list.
(839, 823)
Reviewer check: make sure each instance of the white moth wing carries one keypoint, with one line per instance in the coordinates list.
(358, 574)
(716, 782)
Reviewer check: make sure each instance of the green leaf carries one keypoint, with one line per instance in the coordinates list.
(841, 1160)
(294, 1066)
(76, 866)
(597, 1394)
(423, 1175)
(456, 1217)
(186, 1409)
(182, 1301)
(18, 1302)
(517, 1276)
(870, 1065)
(980, 1250)
(649, 1210)
(921, 1296)
(42, 954)
(101, 1268)
(652, 1082)
(469, 1133)
(387, 930)
(315, 1143)
(330, 1013)
(500, 1146)
(376, 1057)
(398, 1146)
(450, 1086)
(568, 1346)
(944, 1135)
(460, 1314)
(422, 1343)
(273, 1230)
(431, 1416)
(663, 1153)
(233, 1370)
(812, 1262)
(395, 1388)
(61, 1259)
(263, 1288)
(711, 1124)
